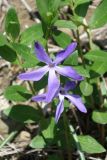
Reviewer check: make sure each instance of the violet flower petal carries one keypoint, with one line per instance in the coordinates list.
(41, 54)
(60, 108)
(65, 53)
(69, 72)
(39, 98)
(77, 101)
(34, 75)
(53, 85)
(69, 85)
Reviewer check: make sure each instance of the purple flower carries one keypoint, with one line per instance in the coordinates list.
(62, 93)
(53, 68)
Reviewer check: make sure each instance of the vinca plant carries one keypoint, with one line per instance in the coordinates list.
(63, 92)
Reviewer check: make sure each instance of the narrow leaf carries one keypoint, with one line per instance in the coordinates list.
(37, 142)
(12, 25)
(96, 55)
(17, 93)
(86, 88)
(99, 117)
(90, 145)
(99, 17)
(23, 113)
(61, 38)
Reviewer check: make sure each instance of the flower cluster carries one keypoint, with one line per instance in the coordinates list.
(54, 87)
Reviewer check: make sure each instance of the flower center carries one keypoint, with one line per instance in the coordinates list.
(51, 65)
(62, 90)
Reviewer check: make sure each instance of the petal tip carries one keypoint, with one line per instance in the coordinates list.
(33, 98)
(75, 44)
(85, 110)
(37, 44)
(19, 76)
(80, 78)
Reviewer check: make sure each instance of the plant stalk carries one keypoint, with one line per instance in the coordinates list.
(67, 136)
(80, 152)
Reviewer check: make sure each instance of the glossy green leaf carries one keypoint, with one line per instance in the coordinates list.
(82, 71)
(90, 145)
(17, 93)
(8, 53)
(86, 88)
(23, 113)
(99, 117)
(42, 83)
(81, 8)
(99, 67)
(79, 2)
(48, 10)
(37, 142)
(28, 58)
(61, 38)
(12, 25)
(3, 40)
(65, 24)
(96, 55)
(72, 59)
(99, 17)
(31, 34)
(64, 3)
(47, 127)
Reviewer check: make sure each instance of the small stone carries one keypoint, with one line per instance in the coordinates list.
(24, 136)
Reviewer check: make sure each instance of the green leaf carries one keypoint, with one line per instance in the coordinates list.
(86, 88)
(29, 58)
(38, 85)
(23, 113)
(31, 34)
(82, 71)
(12, 25)
(61, 38)
(99, 67)
(48, 10)
(47, 127)
(96, 55)
(65, 24)
(81, 8)
(103, 88)
(8, 53)
(53, 157)
(90, 145)
(65, 3)
(17, 93)
(99, 117)
(72, 59)
(99, 17)
(79, 2)
(3, 40)
(37, 142)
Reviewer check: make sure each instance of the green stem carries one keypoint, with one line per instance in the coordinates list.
(31, 88)
(82, 58)
(102, 128)
(89, 37)
(8, 139)
(67, 136)
(87, 30)
(104, 82)
(80, 152)
(80, 49)
(47, 34)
